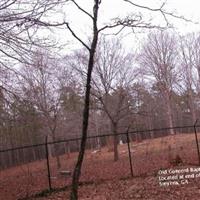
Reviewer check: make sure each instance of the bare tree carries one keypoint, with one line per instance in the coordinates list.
(188, 50)
(158, 59)
(71, 100)
(113, 76)
(195, 46)
(41, 88)
(19, 38)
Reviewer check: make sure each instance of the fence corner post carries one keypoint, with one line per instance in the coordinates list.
(48, 167)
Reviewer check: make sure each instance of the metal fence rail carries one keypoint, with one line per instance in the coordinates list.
(98, 136)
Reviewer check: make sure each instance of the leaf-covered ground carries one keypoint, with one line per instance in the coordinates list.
(136, 188)
(107, 179)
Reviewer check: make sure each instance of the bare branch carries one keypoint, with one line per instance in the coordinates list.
(145, 7)
(7, 4)
(78, 38)
(47, 24)
(130, 22)
(161, 10)
(87, 13)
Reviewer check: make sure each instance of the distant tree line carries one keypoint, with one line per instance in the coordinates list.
(156, 87)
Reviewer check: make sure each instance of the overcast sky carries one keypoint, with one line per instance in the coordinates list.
(110, 9)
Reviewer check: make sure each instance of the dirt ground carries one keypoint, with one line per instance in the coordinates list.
(107, 179)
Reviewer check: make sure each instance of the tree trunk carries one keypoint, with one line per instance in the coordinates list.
(115, 142)
(77, 170)
(169, 114)
(150, 127)
(58, 163)
(192, 106)
(116, 154)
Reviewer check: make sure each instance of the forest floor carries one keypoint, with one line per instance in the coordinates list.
(141, 188)
(103, 179)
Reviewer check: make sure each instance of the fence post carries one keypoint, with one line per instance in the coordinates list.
(47, 158)
(195, 131)
(129, 152)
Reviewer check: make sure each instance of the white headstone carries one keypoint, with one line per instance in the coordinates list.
(120, 142)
